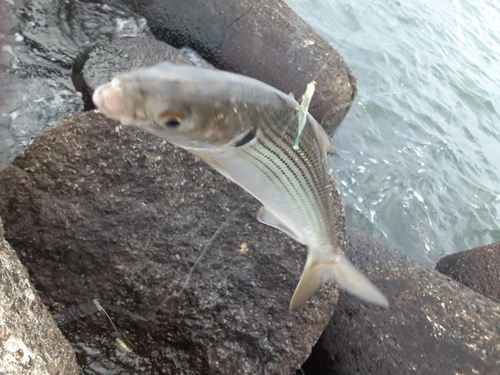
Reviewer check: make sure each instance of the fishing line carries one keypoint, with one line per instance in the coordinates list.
(122, 341)
(320, 70)
(205, 248)
(365, 98)
(359, 23)
(88, 308)
(83, 310)
(348, 104)
(231, 215)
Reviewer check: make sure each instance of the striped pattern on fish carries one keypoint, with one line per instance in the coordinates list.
(245, 129)
(293, 184)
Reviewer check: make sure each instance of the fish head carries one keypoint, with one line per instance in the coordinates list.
(188, 106)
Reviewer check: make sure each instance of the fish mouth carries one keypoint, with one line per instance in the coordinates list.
(108, 98)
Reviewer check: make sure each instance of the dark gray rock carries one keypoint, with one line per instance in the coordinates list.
(123, 54)
(30, 342)
(42, 40)
(434, 324)
(478, 269)
(98, 211)
(263, 39)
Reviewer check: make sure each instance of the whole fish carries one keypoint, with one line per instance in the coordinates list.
(245, 129)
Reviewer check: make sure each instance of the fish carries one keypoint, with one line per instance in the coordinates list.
(246, 130)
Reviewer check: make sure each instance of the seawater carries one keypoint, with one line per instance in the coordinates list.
(418, 155)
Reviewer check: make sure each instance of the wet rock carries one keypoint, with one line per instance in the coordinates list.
(98, 211)
(59, 32)
(263, 39)
(123, 54)
(30, 342)
(478, 269)
(434, 324)
(41, 41)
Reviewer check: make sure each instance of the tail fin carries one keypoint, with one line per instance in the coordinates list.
(343, 273)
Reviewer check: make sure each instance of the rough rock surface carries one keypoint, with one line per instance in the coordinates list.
(478, 269)
(434, 324)
(122, 54)
(263, 39)
(98, 211)
(30, 342)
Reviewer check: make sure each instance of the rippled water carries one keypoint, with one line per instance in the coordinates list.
(418, 156)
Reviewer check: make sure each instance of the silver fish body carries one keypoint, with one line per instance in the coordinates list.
(245, 129)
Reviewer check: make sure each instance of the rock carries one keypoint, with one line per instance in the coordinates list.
(263, 39)
(434, 324)
(30, 342)
(123, 54)
(99, 211)
(40, 42)
(61, 31)
(478, 269)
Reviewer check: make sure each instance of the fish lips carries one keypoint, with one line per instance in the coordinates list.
(108, 98)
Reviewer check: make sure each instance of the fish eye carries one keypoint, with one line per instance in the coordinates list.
(171, 119)
(172, 123)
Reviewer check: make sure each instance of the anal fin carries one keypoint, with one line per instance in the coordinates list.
(266, 217)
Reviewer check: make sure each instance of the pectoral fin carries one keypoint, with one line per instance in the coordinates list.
(343, 273)
(266, 217)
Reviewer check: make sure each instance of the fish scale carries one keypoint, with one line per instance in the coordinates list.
(246, 130)
(305, 168)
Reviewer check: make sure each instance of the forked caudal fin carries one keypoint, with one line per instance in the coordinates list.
(344, 274)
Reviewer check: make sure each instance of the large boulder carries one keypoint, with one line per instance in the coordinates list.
(106, 59)
(98, 211)
(434, 325)
(263, 39)
(30, 342)
(478, 269)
